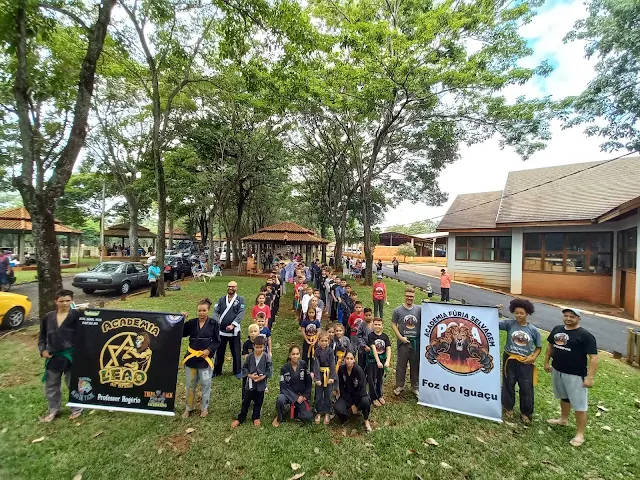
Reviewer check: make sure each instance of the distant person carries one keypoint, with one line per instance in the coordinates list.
(445, 285)
(379, 267)
(153, 273)
(395, 264)
(56, 342)
(5, 270)
(573, 370)
(379, 297)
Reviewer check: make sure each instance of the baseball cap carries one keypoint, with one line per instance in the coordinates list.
(379, 277)
(575, 311)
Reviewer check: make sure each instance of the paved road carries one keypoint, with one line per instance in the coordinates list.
(31, 291)
(610, 334)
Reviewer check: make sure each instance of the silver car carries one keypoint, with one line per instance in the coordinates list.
(118, 276)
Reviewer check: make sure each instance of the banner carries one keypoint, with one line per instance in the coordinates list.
(126, 360)
(460, 359)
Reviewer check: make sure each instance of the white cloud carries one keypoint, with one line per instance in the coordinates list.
(485, 167)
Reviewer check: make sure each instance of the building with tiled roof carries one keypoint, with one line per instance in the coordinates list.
(564, 232)
(15, 226)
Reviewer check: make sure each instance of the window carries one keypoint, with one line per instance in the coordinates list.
(582, 252)
(627, 249)
(483, 249)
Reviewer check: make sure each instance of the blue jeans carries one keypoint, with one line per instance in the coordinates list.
(193, 376)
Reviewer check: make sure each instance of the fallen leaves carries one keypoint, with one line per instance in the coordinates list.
(445, 465)
(317, 450)
(297, 476)
(603, 408)
(190, 430)
(598, 413)
(606, 428)
(510, 424)
(295, 466)
(369, 445)
(78, 476)
(431, 441)
(38, 440)
(97, 434)
(481, 440)
(4, 430)
(226, 440)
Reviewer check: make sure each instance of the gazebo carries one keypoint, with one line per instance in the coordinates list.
(286, 233)
(121, 232)
(15, 223)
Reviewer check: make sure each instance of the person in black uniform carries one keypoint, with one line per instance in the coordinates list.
(353, 392)
(295, 389)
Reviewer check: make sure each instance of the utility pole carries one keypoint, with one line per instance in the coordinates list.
(104, 192)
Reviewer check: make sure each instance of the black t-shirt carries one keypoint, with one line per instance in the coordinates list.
(570, 349)
(381, 342)
(247, 347)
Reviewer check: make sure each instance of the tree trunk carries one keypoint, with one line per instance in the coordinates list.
(323, 234)
(134, 243)
(170, 230)
(227, 262)
(212, 243)
(337, 251)
(47, 255)
(366, 221)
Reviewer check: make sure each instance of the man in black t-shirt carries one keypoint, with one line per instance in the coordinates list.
(575, 361)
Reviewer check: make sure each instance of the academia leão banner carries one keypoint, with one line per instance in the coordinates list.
(460, 359)
(126, 360)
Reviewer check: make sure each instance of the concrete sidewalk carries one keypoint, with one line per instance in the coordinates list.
(610, 333)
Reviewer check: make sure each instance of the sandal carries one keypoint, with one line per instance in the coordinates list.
(317, 420)
(526, 420)
(327, 419)
(50, 417)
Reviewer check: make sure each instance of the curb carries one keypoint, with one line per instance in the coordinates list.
(546, 302)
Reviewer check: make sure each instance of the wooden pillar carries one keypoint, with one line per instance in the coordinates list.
(78, 238)
(21, 251)
(69, 247)
(259, 258)
(433, 249)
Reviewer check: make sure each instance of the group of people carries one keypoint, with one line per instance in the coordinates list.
(342, 358)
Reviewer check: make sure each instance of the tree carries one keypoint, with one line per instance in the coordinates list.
(50, 106)
(406, 250)
(421, 226)
(407, 87)
(612, 34)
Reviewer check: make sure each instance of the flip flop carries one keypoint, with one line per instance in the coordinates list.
(48, 418)
(576, 443)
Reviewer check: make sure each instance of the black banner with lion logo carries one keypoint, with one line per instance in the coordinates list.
(127, 361)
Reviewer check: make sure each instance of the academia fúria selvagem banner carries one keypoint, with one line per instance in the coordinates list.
(460, 359)
(126, 361)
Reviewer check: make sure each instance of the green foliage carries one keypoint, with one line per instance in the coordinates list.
(406, 250)
(612, 34)
(421, 226)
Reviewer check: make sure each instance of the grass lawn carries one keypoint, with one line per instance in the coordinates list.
(24, 276)
(134, 446)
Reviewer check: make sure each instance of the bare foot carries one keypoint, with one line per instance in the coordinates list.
(204, 413)
(275, 422)
(317, 420)
(397, 391)
(235, 424)
(508, 413)
(186, 414)
(377, 403)
(48, 418)
(367, 426)
(381, 400)
(558, 421)
(525, 419)
(256, 423)
(327, 419)
(577, 441)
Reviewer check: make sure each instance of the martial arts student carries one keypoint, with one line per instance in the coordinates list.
(295, 389)
(324, 374)
(309, 328)
(204, 339)
(257, 369)
(353, 392)
(261, 306)
(261, 320)
(57, 336)
(342, 344)
(360, 342)
(247, 348)
(229, 312)
(378, 361)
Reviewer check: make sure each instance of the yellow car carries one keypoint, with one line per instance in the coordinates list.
(13, 309)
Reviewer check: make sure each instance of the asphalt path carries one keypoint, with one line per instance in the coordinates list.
(31, 291)
(611, 335)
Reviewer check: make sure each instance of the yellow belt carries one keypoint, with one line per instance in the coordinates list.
(311, 341)
(325, 372)
(196, 354)
(521, 359)
(340, 354)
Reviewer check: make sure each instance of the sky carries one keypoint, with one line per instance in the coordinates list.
(484, 167)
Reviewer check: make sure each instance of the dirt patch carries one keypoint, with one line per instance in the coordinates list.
(179, 443)
(27, 338)
(12, 380)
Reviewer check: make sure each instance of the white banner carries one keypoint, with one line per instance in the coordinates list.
(460, 359)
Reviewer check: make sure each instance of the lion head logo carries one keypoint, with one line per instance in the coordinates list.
(459, 346)
(311, 329)
(380, 346)
(410, 322)
(561, 339)
(520, 338)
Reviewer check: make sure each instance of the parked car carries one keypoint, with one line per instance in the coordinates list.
(175, 266)
(13, 309)
(118, 276)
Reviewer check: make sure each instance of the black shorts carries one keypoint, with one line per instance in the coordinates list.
(395, 269)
